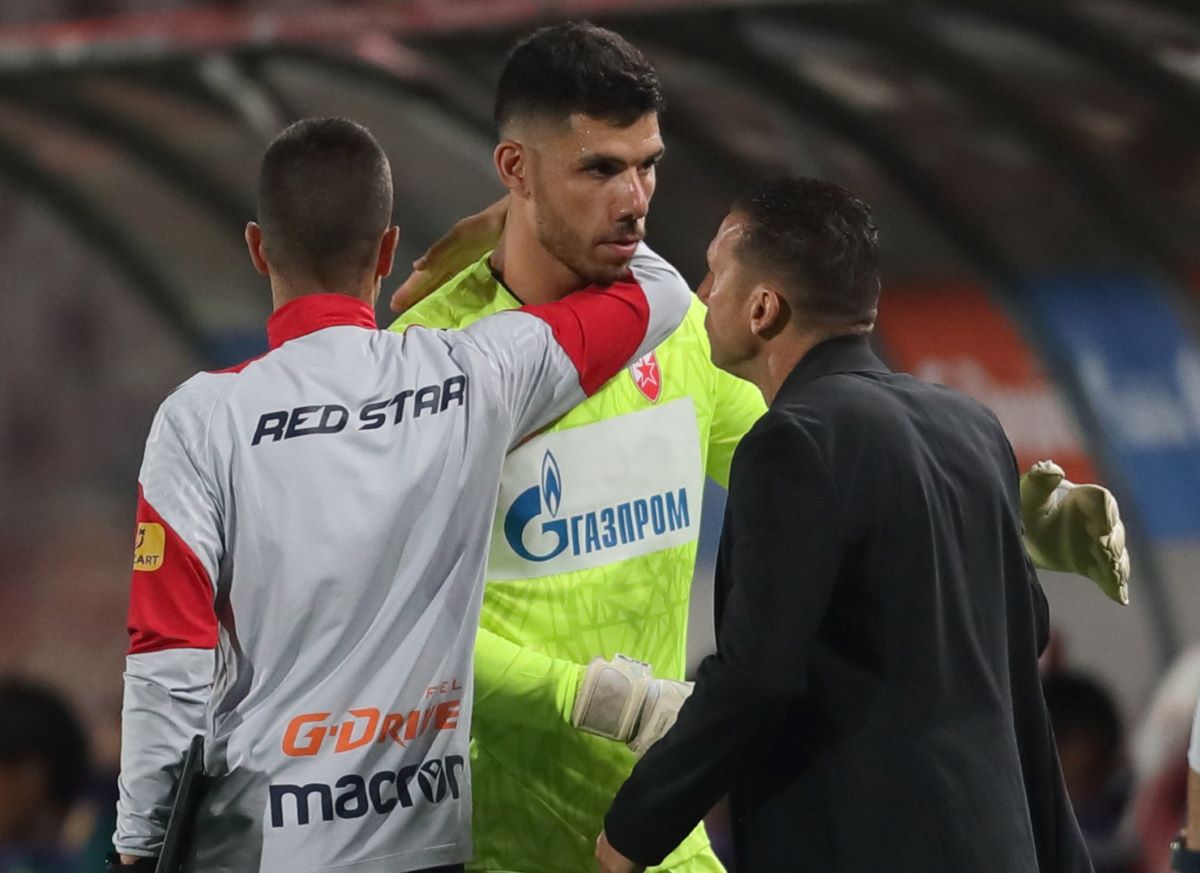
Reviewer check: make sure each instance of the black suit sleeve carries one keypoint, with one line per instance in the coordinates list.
(1011, 471)
(1041, 608)
(781, 553)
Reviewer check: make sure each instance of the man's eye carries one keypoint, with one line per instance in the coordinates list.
(605, 170)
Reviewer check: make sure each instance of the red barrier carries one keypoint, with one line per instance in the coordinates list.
(952, 333)
(152, 33)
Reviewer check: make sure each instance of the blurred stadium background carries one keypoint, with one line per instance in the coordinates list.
(1034, 167)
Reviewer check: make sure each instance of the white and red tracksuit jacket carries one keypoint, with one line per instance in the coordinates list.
(312, 533)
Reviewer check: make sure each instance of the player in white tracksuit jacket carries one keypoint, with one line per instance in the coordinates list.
(311, 541)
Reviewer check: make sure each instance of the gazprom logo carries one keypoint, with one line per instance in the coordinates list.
(630, 521)
(530, 504)
(551, 484)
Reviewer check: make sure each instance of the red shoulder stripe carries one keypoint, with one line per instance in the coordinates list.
(599, 329)
(171, 596)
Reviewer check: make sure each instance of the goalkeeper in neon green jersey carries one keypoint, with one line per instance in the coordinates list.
(595, 537)
(594, 541)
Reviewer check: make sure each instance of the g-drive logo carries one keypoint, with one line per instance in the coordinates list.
(630, 521)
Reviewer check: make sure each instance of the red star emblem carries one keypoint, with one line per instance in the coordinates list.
(647, 376)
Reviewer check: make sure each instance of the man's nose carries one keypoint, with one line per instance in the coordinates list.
(635, 196)
(705, 288)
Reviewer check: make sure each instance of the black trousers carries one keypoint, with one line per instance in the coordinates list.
(453, 868)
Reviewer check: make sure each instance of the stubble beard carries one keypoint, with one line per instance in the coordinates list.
(559, 238)
(724, 355)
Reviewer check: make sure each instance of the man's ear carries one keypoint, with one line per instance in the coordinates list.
(512, 166)
(387, 251)
(769, 311)
(254, 242)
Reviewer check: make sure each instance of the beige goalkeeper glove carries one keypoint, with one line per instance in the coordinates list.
(1075, 529)
(620, 699)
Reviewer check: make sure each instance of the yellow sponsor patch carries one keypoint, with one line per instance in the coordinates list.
(148, 547)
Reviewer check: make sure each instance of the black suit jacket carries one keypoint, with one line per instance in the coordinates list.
(874, 701)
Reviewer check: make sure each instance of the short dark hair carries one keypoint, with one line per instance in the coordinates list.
(37, 724)
(1079, 706)
(820, 242)
(324, 197)
(577, 67)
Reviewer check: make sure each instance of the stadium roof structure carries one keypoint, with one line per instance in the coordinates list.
(995, 140)
(992, 138)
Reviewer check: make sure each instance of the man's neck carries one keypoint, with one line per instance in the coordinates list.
(530, 272)
(771, 367)
(284, 291)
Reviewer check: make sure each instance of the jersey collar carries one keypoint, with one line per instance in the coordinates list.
(842, 354)
(312, 312)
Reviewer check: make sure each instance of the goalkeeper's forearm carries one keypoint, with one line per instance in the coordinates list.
(618, 699)
(518, 685)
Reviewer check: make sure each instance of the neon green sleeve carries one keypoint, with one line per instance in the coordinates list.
(738, 405)
(519, 685)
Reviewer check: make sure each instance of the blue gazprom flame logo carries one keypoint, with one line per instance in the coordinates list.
(551, 484)
(529, 504)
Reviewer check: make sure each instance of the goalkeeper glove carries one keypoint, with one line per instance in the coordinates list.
(620, 699)
(1075, 529)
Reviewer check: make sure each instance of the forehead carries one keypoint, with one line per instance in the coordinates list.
(587, 135)
(728, 235)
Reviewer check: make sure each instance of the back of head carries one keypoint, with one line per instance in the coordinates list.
(819, 244)
(563, 69)
(38, 728)
(324, 200)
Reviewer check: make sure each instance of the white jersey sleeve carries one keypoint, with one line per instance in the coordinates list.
(172, 624)
(550, 357)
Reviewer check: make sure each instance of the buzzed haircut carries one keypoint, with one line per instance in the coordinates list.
(37, 725)
(819, 242)
(562, 69)
(324, 199)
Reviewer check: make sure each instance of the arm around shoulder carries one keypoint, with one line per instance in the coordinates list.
(550, 357)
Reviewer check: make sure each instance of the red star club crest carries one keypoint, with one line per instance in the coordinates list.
(647, 376)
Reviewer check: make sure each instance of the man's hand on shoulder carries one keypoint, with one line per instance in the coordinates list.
(1075, 529)
(460, 247)
(622, 700)
(612, 861)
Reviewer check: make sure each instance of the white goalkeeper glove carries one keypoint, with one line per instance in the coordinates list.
(620, 699)
(1075, 529)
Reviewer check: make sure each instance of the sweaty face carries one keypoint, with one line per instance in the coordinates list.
(725, 291)
(592, 183)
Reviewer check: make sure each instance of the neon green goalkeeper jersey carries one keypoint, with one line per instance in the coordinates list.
(592, 553)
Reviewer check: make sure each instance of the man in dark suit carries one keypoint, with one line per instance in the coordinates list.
(874, 700)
